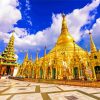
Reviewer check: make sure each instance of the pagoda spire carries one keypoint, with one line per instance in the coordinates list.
(31, 57)
(9, 50)
(64, 24)
(26, 57)
(44, 51)
(65, 36)
(37, 55)
(92, 45)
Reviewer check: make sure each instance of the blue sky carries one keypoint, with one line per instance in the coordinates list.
(38, 23)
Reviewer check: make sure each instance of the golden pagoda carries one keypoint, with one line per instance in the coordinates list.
(67, 60)
(7, 58)
(25, 69)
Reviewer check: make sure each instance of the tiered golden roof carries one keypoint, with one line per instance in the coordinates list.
(7, 58)
(9, 54)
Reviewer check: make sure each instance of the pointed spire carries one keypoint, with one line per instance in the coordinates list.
(13, 32)
(64, 24)
(92, 45)
(37, 55)
(44, 51)
(26, 57)
(9, 50)
(65, 36)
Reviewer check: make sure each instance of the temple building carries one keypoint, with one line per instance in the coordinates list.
(7, 59)
(66, 60)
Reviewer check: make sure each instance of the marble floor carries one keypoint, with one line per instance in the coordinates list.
(21, 90)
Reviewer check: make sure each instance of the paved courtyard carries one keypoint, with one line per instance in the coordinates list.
(21, 90)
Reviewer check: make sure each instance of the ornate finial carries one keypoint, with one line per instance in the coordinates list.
(26, 57)
(64, 24)
(90, 33)
(13, 31)
(63, 15)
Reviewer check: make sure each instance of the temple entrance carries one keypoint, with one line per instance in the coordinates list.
(54, 73)
(76, 75)
(8, 70)
(97, 72)
(41, 73)
(48, 72)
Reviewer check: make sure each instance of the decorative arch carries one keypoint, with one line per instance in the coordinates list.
(76, 73)
(53, 73)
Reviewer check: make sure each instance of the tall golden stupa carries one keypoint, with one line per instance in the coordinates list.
(7, 58)
(66, 60)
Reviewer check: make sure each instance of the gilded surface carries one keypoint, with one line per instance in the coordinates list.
(66, 60)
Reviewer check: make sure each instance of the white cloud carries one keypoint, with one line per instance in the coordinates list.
(27, 12)
(20, 32)
(95, 30)
(81, 17)
(16, 56)
(9, 14)
(96, 33)
(77, 19)
(28, 4)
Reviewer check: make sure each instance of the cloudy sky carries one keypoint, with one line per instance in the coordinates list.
(38, 23)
